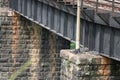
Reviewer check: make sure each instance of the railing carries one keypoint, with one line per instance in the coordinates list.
(98, 5)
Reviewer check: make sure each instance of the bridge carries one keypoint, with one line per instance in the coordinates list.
(100, 21)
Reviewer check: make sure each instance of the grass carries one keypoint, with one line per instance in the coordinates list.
(18, 72)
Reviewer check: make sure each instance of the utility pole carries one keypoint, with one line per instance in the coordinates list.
(78, 25)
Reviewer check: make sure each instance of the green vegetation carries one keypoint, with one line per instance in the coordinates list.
(72, 45)
(18, 72)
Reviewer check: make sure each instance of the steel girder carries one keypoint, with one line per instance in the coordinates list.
(99, 31)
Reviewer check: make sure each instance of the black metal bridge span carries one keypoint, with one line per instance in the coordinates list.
(100, 29)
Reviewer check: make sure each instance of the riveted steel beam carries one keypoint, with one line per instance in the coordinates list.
(99, 31)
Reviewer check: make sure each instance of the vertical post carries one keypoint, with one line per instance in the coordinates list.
(78, 25)
(113, 5)
(73, 1)
(97, 6)
(81, 4)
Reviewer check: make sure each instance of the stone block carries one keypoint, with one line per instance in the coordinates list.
(98, 78)
(81, 58)
(85, 66)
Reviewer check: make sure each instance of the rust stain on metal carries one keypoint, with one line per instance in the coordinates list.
(15, 38)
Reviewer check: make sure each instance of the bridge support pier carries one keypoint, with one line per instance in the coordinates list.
(35, 40)
(87, 66)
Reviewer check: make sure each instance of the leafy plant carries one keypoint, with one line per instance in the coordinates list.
(72, 45)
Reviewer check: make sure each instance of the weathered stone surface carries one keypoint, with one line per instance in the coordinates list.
(86, 66)
(18, 45)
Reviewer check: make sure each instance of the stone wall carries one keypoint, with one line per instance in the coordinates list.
(88, 66)
(21, 41)
(5, 47)
(50, 60)
(115, 70)
(4, 10)
(14, 47)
